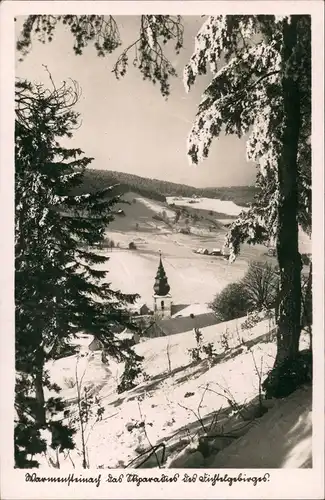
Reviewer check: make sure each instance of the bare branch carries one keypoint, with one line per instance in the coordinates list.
(145, 431)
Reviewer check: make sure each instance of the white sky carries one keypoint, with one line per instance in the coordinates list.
(126, 124)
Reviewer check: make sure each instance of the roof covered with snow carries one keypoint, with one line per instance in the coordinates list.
(195, 309)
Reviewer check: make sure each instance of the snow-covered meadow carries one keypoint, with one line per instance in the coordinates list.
(192, 277)
(177, 399)
(220, 206)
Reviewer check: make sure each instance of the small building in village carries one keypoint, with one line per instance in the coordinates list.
(144, 310)
(95, 345)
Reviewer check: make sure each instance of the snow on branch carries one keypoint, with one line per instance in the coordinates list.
(219, 39)
(238, 97)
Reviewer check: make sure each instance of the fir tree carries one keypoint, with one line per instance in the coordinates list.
(58, 290)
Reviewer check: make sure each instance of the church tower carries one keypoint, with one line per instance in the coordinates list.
(162, 297)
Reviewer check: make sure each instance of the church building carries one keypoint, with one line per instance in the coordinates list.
(162, 297)
(168, 318)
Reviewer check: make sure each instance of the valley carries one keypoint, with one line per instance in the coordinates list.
(178, 401)
(160, 305)
(193, 277)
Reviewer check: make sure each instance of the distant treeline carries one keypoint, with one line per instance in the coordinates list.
(156, 189)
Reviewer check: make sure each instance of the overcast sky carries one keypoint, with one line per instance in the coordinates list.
(126, 124)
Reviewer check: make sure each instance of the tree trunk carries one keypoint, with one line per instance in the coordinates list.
(308, 307)
(289, 311)
(39, 389)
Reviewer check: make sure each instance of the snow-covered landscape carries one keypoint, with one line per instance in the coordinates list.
(176, 406)
(177, 401)
(164, 269)
(193, 277)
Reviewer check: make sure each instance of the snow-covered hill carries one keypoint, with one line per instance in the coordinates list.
(281, 438)
(178, 400)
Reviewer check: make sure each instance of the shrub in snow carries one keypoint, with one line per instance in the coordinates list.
(255, 317)
(209, 350)
(257, 291)
(131, 374)
(134, 424)
(69, 382)
(224, 341)
(201, 350)
(231, 303)
(285, 378)
(195, 352)
(89, 411)
(261, 283)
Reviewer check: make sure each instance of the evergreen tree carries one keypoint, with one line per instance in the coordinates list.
(58, 290)
(261, 86)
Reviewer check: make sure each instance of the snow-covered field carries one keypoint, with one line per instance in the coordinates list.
(221, 206)
(192, 279)
(178, 400)
(167, 406)
(155, 206)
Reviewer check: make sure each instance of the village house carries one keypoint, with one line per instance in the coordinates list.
(95, 345)
(144, 309)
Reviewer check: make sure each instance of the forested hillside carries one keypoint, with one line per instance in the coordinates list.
(158, 189)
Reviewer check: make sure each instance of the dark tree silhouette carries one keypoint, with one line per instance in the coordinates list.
(58, 290)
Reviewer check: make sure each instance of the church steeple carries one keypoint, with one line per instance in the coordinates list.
(161, 286)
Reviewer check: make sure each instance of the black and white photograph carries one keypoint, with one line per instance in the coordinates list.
(165, 274)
